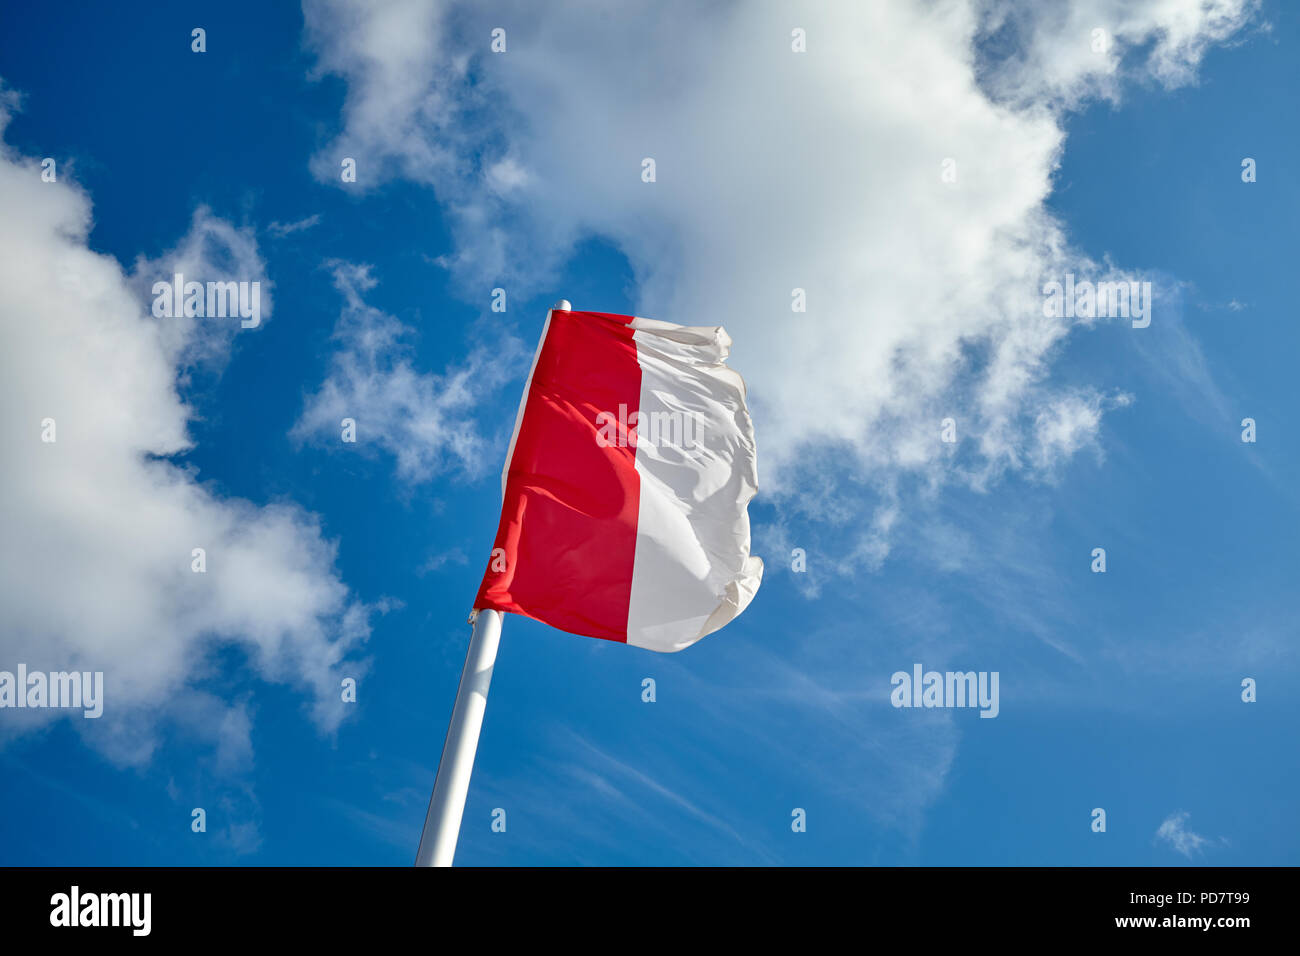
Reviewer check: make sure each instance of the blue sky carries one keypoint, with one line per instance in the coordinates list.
(1118, 690)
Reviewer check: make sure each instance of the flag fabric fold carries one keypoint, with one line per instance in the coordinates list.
(626, 484)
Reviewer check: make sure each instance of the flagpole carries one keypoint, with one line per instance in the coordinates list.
(447, 805)
(450, 787)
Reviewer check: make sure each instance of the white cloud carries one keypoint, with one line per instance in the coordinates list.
(1062, 58)
(213, 250)
(398, 113)
(282, 229)
(779, 170)
(95, 561)
(506, 175)
(1067, 423)
(424, 421)
(1174, 832)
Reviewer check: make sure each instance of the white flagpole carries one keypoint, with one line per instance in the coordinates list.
(450, 787)
(447, 805)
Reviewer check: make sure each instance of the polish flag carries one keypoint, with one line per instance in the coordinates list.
(626, 485)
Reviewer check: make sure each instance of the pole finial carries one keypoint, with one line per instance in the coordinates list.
(564, 305)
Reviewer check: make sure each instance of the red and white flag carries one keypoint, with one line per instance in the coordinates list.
(626, 485)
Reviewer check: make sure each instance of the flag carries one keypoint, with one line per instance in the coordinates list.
(626, 484)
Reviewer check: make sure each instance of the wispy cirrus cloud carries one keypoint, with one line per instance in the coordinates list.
(282, 229)
(425, 422)
(1173, 832)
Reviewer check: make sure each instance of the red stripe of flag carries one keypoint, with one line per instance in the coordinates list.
(570, 564)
